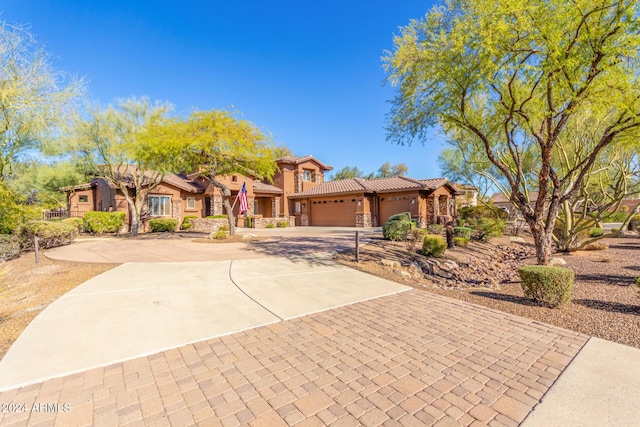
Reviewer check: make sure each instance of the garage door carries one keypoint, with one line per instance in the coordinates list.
(334, 212)
(393, 205)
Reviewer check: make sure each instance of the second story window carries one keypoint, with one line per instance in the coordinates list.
(306, 175)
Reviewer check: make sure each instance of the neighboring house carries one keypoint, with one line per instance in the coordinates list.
(467, 195)
(298, 194)
(501, 201)
(370, 202)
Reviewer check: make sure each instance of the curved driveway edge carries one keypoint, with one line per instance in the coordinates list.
(138, 309)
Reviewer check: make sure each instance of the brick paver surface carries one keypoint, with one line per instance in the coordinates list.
(408, 359)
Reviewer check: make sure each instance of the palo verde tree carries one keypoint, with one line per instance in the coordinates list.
(384, 171)
(109, 145)
(510, 77)
(35, 98)
(215, 143)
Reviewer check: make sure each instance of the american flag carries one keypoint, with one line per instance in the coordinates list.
(244, 203)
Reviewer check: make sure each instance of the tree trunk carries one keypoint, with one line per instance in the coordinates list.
(543, 243)
(227, 206)
(226, 193)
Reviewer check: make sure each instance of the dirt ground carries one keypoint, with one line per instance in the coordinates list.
(26, 289)
(605, 301)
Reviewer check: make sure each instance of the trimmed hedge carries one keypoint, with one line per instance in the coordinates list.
(282, 224)
(163, 224)
(78, 223)
(402, 216)
(103, 222)
(548, 284)
(433, 245)
(9, 247)
(50, 234)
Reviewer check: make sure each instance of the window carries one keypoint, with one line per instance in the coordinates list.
(306, 175)
(234, 178)
(159, 206)
(191, 202)
(83, 199)
(297, 207)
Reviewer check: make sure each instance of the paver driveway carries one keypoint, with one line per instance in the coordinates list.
(410, 358)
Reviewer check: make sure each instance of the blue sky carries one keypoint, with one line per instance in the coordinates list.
(309, 73)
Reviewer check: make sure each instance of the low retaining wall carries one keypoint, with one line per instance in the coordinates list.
(207, 225)
(264, 222)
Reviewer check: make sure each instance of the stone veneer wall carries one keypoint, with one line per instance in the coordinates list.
(217, 205)
(304, 219)
(207, 225)
(263, 222)
(363, 219)
(432, 210)
(275, 207)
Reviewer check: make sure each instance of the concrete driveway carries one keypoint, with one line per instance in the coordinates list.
(142, 308)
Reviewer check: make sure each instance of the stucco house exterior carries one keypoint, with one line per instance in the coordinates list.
(297, 194)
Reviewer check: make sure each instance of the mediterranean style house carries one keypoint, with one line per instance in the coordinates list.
(297, 194)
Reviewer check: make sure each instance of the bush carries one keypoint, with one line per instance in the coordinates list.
(461, 241)
(486, 228)
(282, 224)
(103, 222)
(464, 232)
(249, 222)
(186, 222)
(617, 216)
(596, 246)
(402, 216)
(224, 228)
(163, 224)
(216, 216)
(595, 232)
(220, 234)
(396, 230)
(483, 211)
(50, 234)
(433, 245)
(9, 247)
(551, 285)
(435, 228)
(78, 223)
(271, 225)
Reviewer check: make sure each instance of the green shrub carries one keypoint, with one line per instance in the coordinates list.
(435, 228)
(482, 211)
(396, 230)
(78, 223)
(618, 216)
(548, 284)
(249, 222)
(9, 247)
(461, 241)
(103, 222)
(402, 216)
(10, 212)
(271, 225)
(282, 224)
(186, 222)
(220, 234)
(595, 232)
(486, 228)
(433, 245)
(224, 228)
(216, 216)
(50, 234)
(464, 232)
(162, 224)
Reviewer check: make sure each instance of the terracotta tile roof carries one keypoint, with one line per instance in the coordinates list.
(178, 181)
(378, 185)
(261, 187)
(297, 160)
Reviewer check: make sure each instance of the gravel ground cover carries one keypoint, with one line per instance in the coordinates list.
(605, 301)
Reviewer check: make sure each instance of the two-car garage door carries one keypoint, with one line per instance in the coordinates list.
(339, 212)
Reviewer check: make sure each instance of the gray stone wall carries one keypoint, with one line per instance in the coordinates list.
(207, 225)
(363, 220)
(216, 203)
(275, 206)
(304, 219)
(263, 222)
(176, 212)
